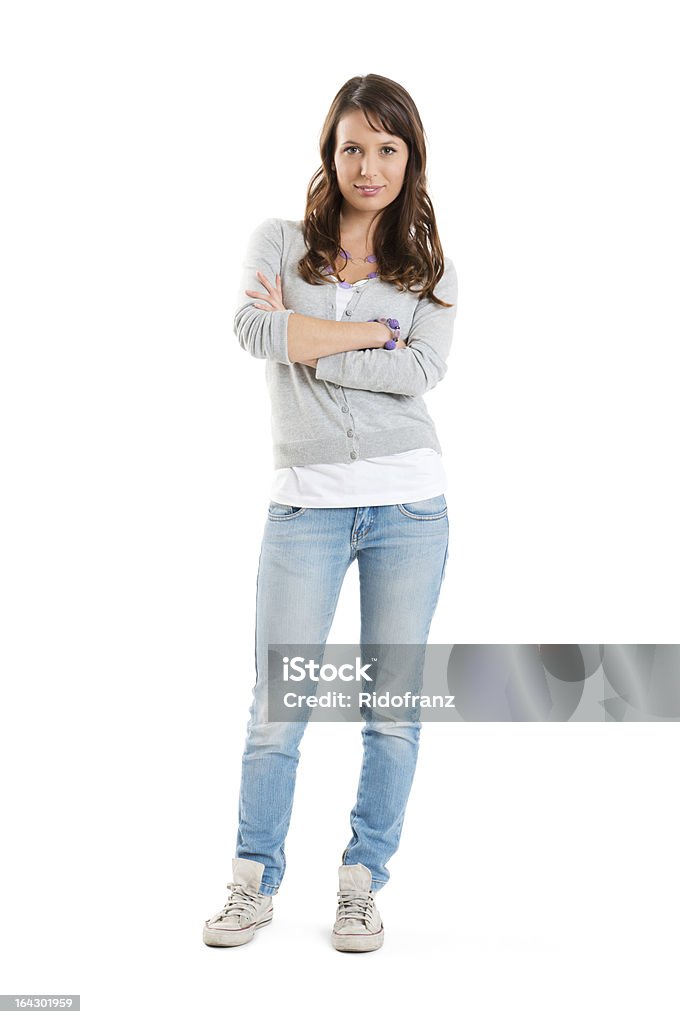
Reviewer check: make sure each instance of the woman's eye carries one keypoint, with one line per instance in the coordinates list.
(391, 148)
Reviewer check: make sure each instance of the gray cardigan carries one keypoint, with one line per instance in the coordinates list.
(357, 404)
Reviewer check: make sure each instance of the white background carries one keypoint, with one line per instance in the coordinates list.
(142, 142)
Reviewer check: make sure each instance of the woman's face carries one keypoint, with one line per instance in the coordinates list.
(365, 157)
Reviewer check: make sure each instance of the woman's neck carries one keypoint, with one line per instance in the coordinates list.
(357, 232)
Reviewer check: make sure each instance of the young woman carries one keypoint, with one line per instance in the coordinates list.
(342, 306)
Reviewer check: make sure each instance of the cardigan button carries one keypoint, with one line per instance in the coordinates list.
(352, 455)
(350, 433)
(345, 408)
(348, 312)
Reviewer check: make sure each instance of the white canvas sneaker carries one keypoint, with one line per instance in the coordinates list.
(246, 910)
(358, 926)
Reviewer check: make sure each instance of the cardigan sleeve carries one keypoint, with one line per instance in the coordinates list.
(262, 332)
(404, 371)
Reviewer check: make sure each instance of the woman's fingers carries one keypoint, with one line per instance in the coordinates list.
(273, 290)
(267, 285)
(264, 279)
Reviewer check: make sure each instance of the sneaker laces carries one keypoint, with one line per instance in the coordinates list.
(241, 901)
(354, 905)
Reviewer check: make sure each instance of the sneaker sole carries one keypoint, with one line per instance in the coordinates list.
(358, 943)
(232, 936)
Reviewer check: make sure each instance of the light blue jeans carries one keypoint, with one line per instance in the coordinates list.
(402, 551)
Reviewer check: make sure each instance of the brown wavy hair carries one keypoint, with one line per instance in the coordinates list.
(406, 241)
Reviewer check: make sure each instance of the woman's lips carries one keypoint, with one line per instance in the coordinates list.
(369, 191)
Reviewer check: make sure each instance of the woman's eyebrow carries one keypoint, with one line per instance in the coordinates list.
(351, 142)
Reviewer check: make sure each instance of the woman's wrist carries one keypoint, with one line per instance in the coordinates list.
(370, 334)
(381, 333)
(394, 329)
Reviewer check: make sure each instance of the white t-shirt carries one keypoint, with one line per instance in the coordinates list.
(384, 480)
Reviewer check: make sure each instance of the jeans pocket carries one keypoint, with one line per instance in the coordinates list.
(280, 512)
(428, 508)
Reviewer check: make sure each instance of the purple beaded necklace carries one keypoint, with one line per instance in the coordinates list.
(366, 259)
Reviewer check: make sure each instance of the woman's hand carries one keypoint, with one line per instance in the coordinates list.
(274, 298)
